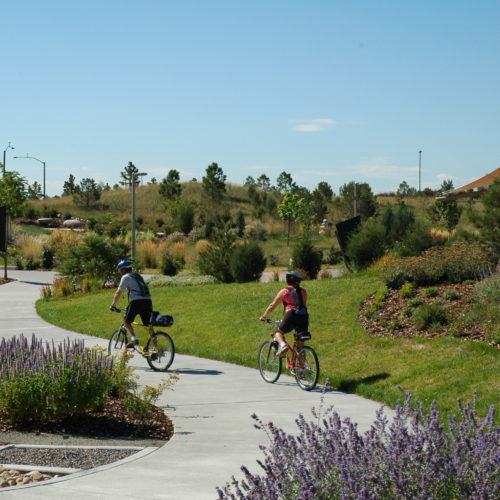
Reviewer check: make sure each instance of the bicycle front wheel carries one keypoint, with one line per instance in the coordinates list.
(117, 342)
(161, 351)
(308, 373)
(269, 364)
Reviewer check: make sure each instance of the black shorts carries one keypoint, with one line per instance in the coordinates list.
(143, 307)
(292, 321)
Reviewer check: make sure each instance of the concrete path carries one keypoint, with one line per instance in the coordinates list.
(210, 407)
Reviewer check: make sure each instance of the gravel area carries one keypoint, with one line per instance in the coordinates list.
(75, 458)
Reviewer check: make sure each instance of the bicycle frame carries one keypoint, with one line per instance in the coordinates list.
(292, 355)
(139, 348)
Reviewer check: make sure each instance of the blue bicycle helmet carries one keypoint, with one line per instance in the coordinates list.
(125, 264)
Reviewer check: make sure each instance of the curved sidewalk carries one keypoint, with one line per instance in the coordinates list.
(210, 406)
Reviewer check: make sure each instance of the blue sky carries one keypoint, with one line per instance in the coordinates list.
(332, 91)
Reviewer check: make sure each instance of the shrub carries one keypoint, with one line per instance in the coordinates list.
(378, 300)
(181, 280)
(48, 255)
(454, 263)
(334, 256)
(170, 266)
(408, 290)
(43, 381)
(429, 315)
(247, 262)
(489, 288)
(202, 245)
(147, 253)
(411, 456)
(431, 291)
(214, 261)
(94, 258)
(176, 236)
(367, 245)
(62, 287)
(256, 231)
(46, 292)
(451, 295)
(305, 256)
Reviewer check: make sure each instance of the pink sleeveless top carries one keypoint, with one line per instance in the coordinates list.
(288, 302)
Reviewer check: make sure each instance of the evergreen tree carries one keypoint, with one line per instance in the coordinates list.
(34, 191)
(365, 201)
(127, 175)
(214, 182)
(87, 194)
(69, 186)
(285, 183)
(170, 186)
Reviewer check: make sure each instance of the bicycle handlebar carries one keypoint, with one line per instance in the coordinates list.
(115, 309)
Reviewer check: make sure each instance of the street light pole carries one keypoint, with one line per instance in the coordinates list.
(134, 177)
(4, 151)
(40, 161)
(419, 169)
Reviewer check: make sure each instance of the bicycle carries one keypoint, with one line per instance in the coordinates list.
(159, 350)
(301, 361)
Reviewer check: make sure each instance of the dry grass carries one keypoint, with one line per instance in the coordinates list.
(31, 247)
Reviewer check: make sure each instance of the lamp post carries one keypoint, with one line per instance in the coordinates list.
(4, 151)
(134, 177)
(419, 169)
(40, 161)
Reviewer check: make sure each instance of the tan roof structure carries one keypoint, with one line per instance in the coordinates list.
(473, 189)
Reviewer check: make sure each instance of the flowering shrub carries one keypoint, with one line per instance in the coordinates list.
(412, 456)
(43, 382)
(455, 263)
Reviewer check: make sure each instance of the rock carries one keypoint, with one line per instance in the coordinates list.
(35, 475)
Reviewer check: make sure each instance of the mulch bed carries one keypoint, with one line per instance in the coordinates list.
(113, 421)
(389, 320)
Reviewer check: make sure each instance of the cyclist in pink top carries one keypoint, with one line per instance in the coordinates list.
(296, 317)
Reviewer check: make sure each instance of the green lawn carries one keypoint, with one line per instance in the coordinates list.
(221, 322)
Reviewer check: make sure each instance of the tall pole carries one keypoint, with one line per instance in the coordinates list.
(132, 243)
(4, 151)
(419, 170)
(355, 203)
(39, 161)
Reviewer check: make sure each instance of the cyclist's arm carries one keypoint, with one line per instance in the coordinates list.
(273, 305)
(116, 298)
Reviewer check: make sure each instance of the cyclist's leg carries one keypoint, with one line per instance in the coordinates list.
(285, 326)
(130, 314)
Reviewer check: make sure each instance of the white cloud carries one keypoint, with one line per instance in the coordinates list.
(320, 173)
(380, 168)
(312, 125)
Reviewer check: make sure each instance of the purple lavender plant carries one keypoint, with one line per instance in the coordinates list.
(413, 456)
(40, 381)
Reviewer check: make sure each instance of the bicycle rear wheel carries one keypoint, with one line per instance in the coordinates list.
(307, 376)
(162, 351)
(118, 341)
(269, 364)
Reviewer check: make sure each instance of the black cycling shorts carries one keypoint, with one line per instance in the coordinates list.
(292, 321)
(143, 307)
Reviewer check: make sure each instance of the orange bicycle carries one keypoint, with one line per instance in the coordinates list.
(301, 361)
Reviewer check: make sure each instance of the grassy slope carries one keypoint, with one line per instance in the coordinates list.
(220, 322)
